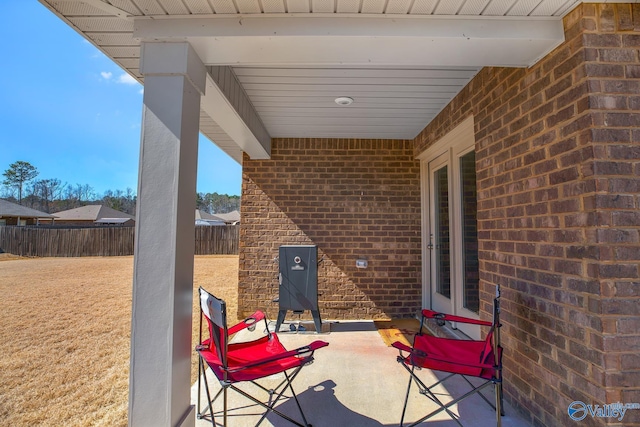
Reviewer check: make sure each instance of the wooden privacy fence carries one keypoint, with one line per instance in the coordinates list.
(103, 241)
(217, 240)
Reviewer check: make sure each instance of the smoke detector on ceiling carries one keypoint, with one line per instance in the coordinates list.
(344, 100)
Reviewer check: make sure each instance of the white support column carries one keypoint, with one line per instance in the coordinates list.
(161, 348)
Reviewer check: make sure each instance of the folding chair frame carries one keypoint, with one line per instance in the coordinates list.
(417, 357)
(219, 336)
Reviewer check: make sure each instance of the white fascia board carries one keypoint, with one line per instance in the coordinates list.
(217, 106)
(360, 40)
(405, 52)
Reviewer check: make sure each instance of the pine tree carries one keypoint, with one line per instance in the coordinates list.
(18, 175)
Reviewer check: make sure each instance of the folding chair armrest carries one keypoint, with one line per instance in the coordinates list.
(314, 345)
(401, 346)
(430, 314)
(412, 351)
(247, 323)
(308, 349)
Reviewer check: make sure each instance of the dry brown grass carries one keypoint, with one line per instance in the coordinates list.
(64, 336)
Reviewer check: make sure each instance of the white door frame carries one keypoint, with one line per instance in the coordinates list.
(459, 141)
(438, 162)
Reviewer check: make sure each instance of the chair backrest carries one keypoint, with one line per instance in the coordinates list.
(215, 311)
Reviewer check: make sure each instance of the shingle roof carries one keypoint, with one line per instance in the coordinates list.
(200, 214)
(233, 216)
(8, 209)
(91, 213)
(229, 218)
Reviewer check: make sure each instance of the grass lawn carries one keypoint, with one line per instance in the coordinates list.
(64, 336)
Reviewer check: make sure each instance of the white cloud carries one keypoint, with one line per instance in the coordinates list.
(106, 75)
(127, 79)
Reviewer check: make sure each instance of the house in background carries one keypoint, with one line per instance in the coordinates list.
(14, 214)
(231, 218)
(93, 215)
(116, 222)
(455, 145)
(204, 218)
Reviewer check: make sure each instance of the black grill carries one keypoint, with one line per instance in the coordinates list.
(298, 282)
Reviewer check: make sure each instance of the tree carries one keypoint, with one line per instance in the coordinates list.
(124, 201)
(214, 203)
(79, 195)
(19, 174)
(47, 190)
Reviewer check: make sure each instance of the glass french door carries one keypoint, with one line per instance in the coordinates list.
(440, 234)
(450, 255)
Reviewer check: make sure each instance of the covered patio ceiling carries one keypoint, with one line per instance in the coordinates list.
(276, 67)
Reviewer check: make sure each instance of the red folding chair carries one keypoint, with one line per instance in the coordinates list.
(466, 358)
(250, 361)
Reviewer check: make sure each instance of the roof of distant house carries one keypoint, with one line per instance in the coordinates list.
(200, 214)
(231, 217)
(91, 213)
(8, 209)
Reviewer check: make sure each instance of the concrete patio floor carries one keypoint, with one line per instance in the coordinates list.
(354, 382)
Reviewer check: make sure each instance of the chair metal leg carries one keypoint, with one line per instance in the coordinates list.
(499, 405)
(453, 402)
(287, 382)
(210, 402)
(295, 397)
(501, 399)
(267, 407)
(199, 383)
(426, 391)
(224, 414)
(481, 395)
(406, 398)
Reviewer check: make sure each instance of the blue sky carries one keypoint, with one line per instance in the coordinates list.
(73, 113)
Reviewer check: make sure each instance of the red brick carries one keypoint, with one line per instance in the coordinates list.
(615, 135)
(617, 271)
(631, 87)
(380, 178)
(602, 40)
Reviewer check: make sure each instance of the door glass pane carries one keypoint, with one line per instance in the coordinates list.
(443, 255)
(471, 276)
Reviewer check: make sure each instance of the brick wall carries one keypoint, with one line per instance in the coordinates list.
(558, 161)
(353, 199)
(612, 48)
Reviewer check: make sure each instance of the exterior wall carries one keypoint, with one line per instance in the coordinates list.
(12, 220)
(72, 223)
(558, 166)
(353, 199)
